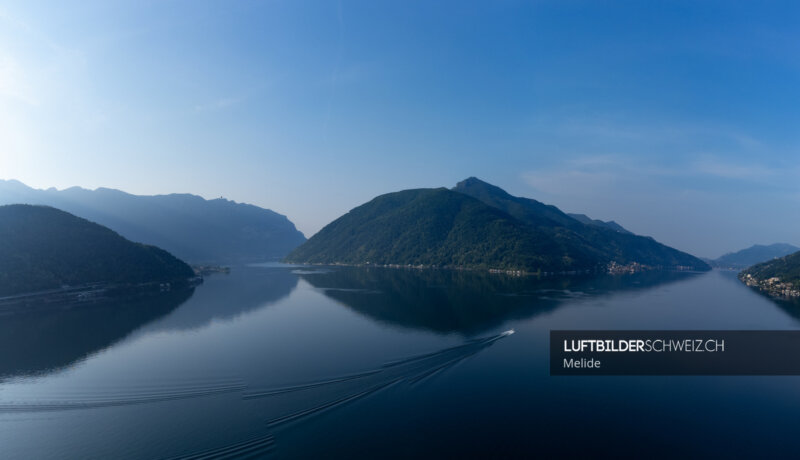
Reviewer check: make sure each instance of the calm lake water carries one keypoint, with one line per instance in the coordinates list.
(296, 362)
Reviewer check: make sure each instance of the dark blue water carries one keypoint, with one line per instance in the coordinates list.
(309, 363)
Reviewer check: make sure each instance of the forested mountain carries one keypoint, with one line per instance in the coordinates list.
(787, 269)
(610, 244)
(45, 248)
(779, 277)
(478, 225)
(439, 227)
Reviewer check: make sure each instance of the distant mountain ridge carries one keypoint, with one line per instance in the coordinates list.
(753, 255)
(45, 248)
(192, 228)
(479, 225)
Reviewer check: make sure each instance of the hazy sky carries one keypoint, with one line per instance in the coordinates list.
(678, 120)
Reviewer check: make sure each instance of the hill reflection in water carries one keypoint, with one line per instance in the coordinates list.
(45, 340)
(791, 306)
(465, 302)
(228, 296)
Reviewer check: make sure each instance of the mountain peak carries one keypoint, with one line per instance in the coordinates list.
(13, 184)
(477, 225)
(440, 228)
(472, 180)
(607, 238)
(475, 184)
(534, 211)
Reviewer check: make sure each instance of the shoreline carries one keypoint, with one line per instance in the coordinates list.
(773, 287)
(92, 292)
(611, 268)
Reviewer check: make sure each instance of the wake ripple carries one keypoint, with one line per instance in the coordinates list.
(300, 401)
(250, 448)
(323, 395)
(277, 391)
(144, 397)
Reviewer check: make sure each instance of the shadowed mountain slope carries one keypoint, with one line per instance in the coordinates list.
(44, 248)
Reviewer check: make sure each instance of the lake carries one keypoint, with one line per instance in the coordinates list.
(309, 362)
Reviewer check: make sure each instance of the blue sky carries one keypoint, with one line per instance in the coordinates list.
(677, 119)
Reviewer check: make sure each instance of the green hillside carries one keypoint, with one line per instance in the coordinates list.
(478, 225)
(442, 228)
(44, 248)
(785, 269)
(610, 244)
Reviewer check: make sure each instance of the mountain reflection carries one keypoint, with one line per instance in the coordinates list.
(43, 340)
(465, 302)
(789, 306)
(225, 297)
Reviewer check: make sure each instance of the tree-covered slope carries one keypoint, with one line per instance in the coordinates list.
(608, 243)
(439, 227)
(786, 269)
(525, 209)
(478, 225)
(44, 248)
